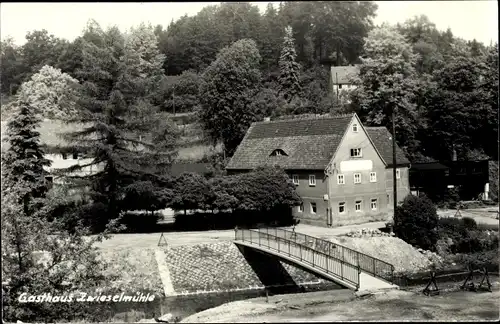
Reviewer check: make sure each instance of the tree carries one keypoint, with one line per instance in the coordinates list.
(27, 234)
(289, 68)
(387, 83)
(51, 93)
(229, 85)
(459, 112)
(116, 113)
(416, 222)
(180, 93)
(192, 191)
(41, 256)
(11, 66)
(24, 161)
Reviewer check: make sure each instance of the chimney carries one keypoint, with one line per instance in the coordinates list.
(266, 119)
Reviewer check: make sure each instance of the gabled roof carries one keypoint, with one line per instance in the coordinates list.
(309, 143)
(341, 74)
(382, 140)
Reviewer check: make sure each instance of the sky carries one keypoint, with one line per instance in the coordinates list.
(467, 19)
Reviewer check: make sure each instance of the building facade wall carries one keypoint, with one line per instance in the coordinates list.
(351, 192)
(311, 194)
(402, 185)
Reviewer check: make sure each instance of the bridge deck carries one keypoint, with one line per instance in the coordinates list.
(335, 262)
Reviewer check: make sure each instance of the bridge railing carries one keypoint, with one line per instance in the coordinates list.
(275, 240)
(366, 263)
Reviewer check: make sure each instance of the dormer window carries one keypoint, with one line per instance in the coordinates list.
(278, 152)
(75, 155)
(355, 128)
(64, 156)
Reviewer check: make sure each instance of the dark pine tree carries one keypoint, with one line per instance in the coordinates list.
(289, 86)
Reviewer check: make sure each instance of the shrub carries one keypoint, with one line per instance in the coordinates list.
(140, 222)
(416, 222)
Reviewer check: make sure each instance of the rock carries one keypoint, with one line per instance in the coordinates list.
(166, 317)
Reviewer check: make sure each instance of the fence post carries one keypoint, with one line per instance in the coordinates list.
(300, 252)
(358, 258)
(278, 244)
(373, 266)
(243, 235)
(343, 258)
(312, 257)
(259, 238)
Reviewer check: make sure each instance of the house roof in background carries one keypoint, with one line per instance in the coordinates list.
(341, 74)
(309, 143)
(382, 140)
(49, 130)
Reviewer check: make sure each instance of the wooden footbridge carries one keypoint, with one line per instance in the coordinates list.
(347, 267)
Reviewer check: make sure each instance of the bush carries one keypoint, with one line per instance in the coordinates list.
(261, 196)
(416, 222)
(465, 236)
(140, 222)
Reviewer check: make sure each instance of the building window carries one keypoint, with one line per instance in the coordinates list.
(398, 174)
(75, 155)
(357, 205)
(64, 156)
(340, 86)
(341, 207)
(313, 208)
(340, 179)
(462, 171)
(373, 176)
(278, 152)
(355, 128)
(301, 208)
(356, 152)
(295, 179)
(312, 180)
(357, 178)
(373, 204)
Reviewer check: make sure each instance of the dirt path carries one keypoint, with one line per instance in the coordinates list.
(341, 306)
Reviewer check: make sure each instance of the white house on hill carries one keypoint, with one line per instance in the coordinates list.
(340, 78)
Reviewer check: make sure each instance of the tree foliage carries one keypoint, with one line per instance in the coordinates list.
(120, 74)
(229, 85)
(289, 86)
(387, 83)
(38, 254)
(23, 162)
(51, 93)
(416, 222)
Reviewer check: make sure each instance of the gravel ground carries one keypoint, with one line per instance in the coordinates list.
(394, 305)
(393, 250)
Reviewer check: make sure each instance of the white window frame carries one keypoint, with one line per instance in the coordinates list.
(295, 177)
(398, 174)
(357, 174)
(312, 180)
(373, 176)
(342, 204)
(354, 150)
(315, 206)
(374, 202)
(355, 128)
(340, 179)
(360, 205)
(300, 208)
